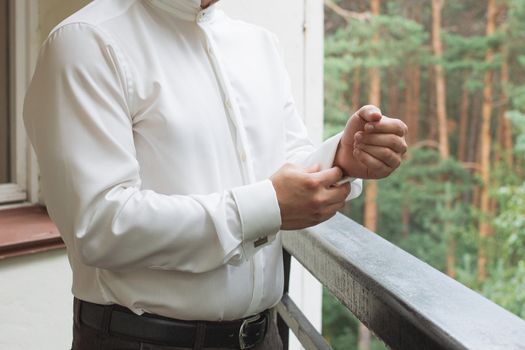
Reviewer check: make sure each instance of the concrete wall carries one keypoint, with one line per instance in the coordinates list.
(35, 307)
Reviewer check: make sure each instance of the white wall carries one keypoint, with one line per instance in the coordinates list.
(35, 302)
(35, 306)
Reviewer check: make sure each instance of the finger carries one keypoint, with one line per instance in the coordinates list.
(387, 126)
(343, 181)
(331, 210)
(337, 194)
(329, 177)
(375, 168)
(313, 168)
(384, 154)
(370, 113)
(394, 142)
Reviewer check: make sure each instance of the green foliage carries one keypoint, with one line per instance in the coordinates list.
(510, 223)
(518, 120)
(427, 201)
(429, 190)
(352, 47)
(339, 325)
(505, 286)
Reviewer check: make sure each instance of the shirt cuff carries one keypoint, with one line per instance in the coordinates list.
(356, 187)
(325, 156)
(259, 213)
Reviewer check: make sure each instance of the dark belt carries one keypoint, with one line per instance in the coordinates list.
(120, 321)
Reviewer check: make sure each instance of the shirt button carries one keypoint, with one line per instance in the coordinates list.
(243, 157)
(228, 104)
(210, 51)
(201, 16)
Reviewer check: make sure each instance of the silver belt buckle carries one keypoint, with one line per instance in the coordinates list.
(242, 335)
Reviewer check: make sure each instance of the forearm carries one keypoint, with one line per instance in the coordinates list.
(128, 228)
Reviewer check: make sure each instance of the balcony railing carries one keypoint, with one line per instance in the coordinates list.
(404, 301)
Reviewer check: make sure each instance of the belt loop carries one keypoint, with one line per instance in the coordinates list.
(106, 318)
(200, 336)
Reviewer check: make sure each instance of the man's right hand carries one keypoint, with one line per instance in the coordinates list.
(308, 197)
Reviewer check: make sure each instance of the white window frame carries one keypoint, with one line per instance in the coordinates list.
(23, 48)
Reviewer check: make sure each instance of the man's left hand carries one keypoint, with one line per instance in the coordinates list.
(372, 145)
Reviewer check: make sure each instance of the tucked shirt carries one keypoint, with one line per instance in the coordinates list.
(157, 126)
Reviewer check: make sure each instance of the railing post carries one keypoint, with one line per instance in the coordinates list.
(283, 328)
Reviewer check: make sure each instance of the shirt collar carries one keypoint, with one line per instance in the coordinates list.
(185, 9)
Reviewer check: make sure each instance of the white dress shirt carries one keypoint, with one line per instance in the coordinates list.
(156, 126)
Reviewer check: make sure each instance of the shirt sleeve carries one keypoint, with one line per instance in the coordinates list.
(299, 147)
(77, 118)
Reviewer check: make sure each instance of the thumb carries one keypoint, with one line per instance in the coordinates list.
(369, 113)
(357, 122)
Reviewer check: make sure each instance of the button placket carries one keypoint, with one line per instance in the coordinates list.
(241, 143)
(245, 165)
(243, 157)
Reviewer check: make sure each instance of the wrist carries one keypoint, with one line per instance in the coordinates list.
(342, 159)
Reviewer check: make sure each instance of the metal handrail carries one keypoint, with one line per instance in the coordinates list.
(407, 303)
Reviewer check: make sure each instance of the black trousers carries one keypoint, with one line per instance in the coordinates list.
(87, 338)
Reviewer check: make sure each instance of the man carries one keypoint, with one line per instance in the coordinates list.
(171, 155)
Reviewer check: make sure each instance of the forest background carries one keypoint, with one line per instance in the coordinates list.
(454, 71)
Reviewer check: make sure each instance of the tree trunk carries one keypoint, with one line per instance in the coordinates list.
(484, 227)
(415, 110)
(505, 134)
(405, 220)
(370, 210)
(463, 123)
(503, 151)
(412, 96)
(441, 102)
(365, 340)
(412, 109)
(441, 108)
(393, 95)
(431, 120)
(473, 134)
(451, 256)
(413, 86)
(411, 121)
(356, 89)
(370, 222)
(472, 155)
